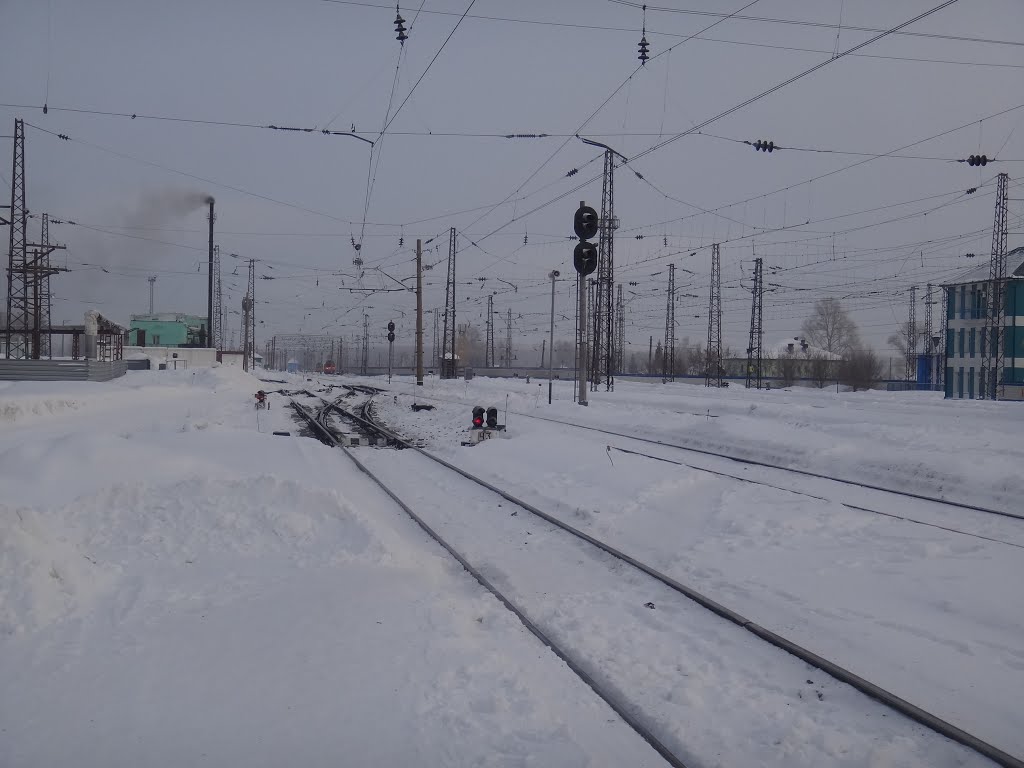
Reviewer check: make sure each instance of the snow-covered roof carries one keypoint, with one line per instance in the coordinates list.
(800, 348)
(980, 272)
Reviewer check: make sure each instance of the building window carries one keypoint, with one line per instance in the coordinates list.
(950, 303)
(960, 343)
(963, 302)
(981, 381)
(960, 383)
(970, 383)
(948, 383)
(974, 332)
(949, 342)
(156, 339)
(984, 337)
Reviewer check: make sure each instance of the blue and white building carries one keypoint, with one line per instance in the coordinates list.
(966, 336)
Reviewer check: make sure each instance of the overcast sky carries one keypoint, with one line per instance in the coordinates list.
(296, 201)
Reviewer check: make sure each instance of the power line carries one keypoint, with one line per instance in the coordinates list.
(663, 33)
(818, 24)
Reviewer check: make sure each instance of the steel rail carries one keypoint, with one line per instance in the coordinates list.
(628, 718)
(898, 704)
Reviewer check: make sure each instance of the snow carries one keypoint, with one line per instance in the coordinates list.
(180, 586)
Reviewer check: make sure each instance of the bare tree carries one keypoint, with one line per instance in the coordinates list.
(861, 369)
(819, 368)
(788, 365)
(830, 328)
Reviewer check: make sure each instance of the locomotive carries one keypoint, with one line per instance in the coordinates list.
(329, 368)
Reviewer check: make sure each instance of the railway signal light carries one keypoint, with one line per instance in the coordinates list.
(478, 417)
(763, 146)
(391, 327)
(584, 258)
(585, 222)
(492, 418)
(977, 160)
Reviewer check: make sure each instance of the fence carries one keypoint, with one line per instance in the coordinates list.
(61, 370)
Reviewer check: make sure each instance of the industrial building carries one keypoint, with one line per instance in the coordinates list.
(966, 338)
(168, 329)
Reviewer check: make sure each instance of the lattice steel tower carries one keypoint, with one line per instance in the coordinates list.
(992, 367)
(713, 363)
(217, 335)
(754, 345)
(449, 365)
(489, 346)
(620, 330)
(18, 279)
(508, 339)
(602, 349)
(668, 358)
(929, 347)
(912, 334)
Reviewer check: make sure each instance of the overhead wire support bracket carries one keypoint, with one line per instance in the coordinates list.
(593, 143)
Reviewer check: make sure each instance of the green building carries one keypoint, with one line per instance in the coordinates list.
(167, 329)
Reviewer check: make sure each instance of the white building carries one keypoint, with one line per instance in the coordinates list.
(966, 337)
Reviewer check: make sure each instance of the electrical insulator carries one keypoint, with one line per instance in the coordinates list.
(632, 282)
(665, 241)
(971, 191)
(639, 237)
(401, 240)
(764, 146)
(643, 47)
(400, 27)
(573, 172)
(977, 160)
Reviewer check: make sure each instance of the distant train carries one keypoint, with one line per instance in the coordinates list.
(329, 367)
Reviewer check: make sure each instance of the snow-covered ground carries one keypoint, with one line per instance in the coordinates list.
(934, 616)
(180, 586)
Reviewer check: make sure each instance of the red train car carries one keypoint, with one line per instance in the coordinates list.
(329, 367)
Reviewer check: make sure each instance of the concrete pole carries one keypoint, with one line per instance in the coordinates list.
(209, 282)
(584, 347)
(551, 352)
(419, 313)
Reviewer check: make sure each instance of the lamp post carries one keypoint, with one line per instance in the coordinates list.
(551, 344)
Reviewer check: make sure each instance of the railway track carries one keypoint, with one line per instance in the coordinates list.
(611, 694)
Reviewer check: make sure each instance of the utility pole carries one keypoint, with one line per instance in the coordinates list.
(391, 347)
(929, 347)
(419, 313)
(754, 345)
(449, 365)
(582, 356)
(994, 353)
(18, 283)
(508, 339)
(543, 350)
(248, 319)
(489, 343)
(209, 280)
(620, 331)
(713, 369)
(668, 359)
(551, 352)
(217, 333)
(437, 337)
(912, 335)
(152, 282)
(940, 378)
(365, 361)
(650, 354)
(603, 336)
